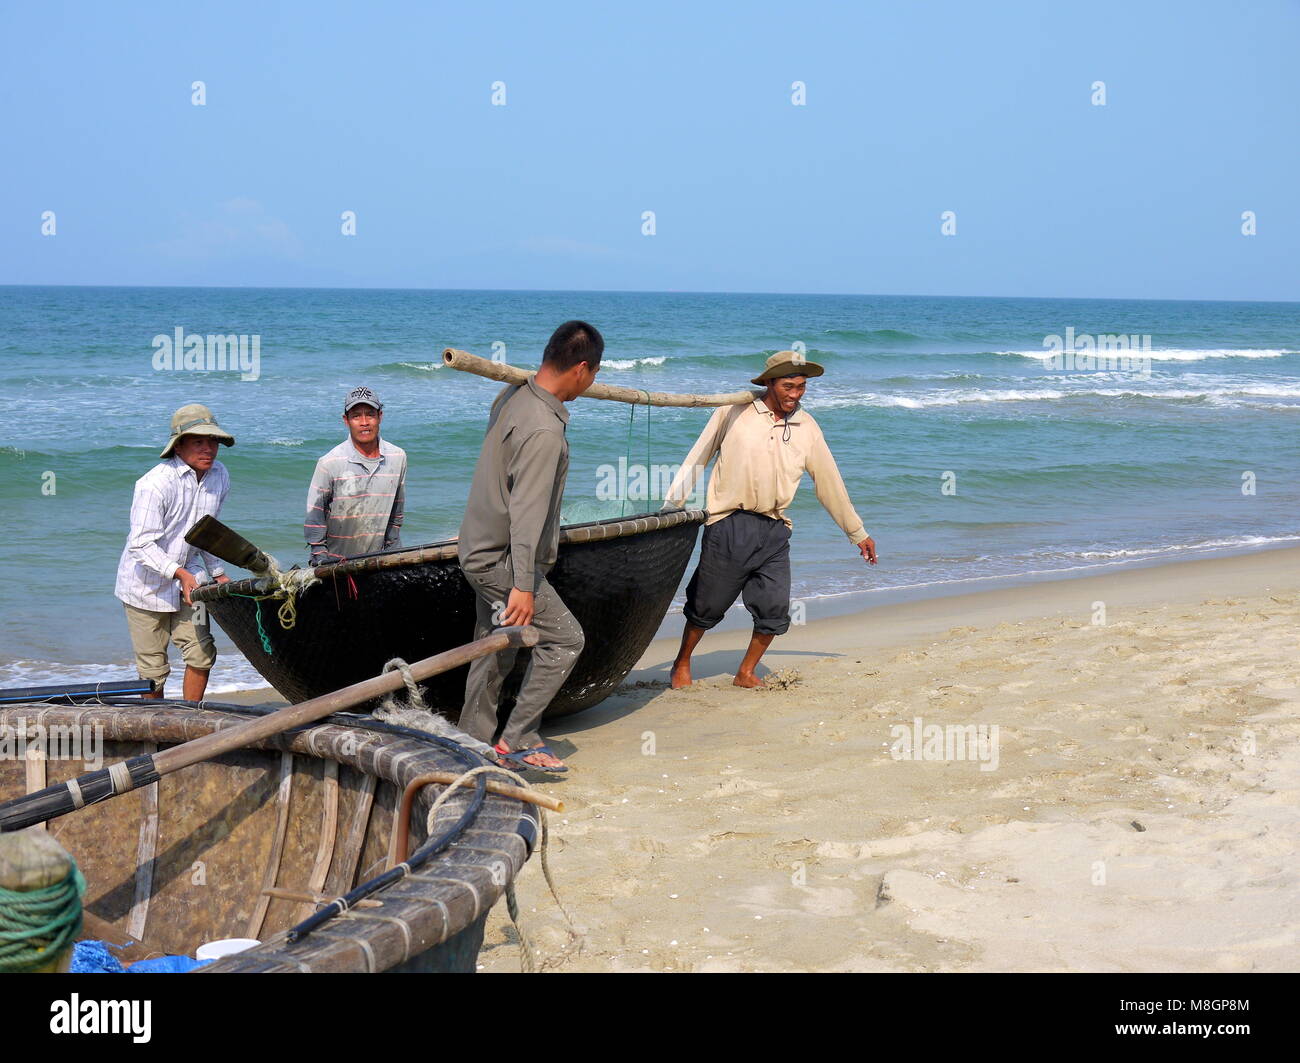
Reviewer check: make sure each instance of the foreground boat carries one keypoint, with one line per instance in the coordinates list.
(251, 843)
(617, 576)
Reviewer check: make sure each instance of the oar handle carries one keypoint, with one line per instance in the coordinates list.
(286, 719)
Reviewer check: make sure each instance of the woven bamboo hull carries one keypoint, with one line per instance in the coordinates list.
(617, 577)
(212, 850)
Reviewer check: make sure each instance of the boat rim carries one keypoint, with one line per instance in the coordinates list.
(445, 550)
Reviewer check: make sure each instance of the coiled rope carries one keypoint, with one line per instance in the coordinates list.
(526, 961)
(286, 586)
(45, 921)
(415, 701)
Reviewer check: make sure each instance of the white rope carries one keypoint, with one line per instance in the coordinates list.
(120, 775)
(416, 714)
(526, 950)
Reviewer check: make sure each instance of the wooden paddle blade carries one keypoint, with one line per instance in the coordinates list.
(211, 535)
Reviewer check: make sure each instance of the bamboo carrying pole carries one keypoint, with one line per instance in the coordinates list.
(140, 771)
(511, 374)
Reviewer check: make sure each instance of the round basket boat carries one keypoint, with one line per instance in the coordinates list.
(253, 842)
(618, 577)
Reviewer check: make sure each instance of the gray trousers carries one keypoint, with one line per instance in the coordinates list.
(553, 659)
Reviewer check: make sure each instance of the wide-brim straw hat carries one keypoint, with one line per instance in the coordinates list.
(195, 420)
(787, 363)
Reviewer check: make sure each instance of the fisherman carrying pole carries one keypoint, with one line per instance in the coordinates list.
(764, 447)
(509, 541)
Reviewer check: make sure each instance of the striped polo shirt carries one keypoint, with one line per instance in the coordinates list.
(355, 504)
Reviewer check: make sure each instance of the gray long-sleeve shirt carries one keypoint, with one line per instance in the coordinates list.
(518, 486)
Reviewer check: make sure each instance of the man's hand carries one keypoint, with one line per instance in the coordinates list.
(188, 583)
(223, 578)
(519, 608)
(868, 549)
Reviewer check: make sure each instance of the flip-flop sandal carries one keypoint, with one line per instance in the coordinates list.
(517, 758)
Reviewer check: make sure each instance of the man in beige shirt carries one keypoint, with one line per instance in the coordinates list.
(764, 447)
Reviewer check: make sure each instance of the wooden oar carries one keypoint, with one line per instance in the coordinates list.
(513, 374)
(220, 541)
(139, 771)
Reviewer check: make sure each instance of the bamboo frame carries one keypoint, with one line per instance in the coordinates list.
(328, 832)
(146, 854)
(512, 374)
(591, 532)
(272, 870)
(403, 922)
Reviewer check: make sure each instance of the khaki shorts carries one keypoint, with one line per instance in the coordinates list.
(150, 633)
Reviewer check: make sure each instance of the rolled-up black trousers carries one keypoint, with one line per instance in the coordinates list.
(745, 554)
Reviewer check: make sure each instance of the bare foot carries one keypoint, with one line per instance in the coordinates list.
(681, 676)
(747, 680)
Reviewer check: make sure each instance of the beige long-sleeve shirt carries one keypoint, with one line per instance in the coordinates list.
(760, 464)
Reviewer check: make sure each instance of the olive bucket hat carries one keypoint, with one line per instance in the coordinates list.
(787, 363)
(195, 420)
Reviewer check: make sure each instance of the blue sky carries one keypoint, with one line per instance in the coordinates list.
(912, 109)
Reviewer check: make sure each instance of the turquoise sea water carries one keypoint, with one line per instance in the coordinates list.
(1054, 470)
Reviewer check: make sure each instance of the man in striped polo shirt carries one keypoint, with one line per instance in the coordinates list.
(357, 496)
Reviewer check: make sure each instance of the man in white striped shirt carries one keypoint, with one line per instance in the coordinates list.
(158, 568)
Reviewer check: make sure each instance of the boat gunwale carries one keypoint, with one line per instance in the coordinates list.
(329, 739)
(445, 550)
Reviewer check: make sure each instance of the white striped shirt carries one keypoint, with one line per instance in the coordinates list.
(169, 499)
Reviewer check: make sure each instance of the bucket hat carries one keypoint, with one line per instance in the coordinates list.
(787, 363)
(195, 420)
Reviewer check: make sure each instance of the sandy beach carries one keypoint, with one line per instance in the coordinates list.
(1128, 803)
(1140, 814)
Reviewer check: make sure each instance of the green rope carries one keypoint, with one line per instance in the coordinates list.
(627, 450)
(649, 469)
(257, 612)
(44, 922)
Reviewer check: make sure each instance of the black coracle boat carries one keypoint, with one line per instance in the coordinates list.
(617, 576)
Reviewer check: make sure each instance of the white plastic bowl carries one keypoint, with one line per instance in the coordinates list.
(214, 950)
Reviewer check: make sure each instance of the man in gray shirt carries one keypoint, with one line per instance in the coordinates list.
(509, 540)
